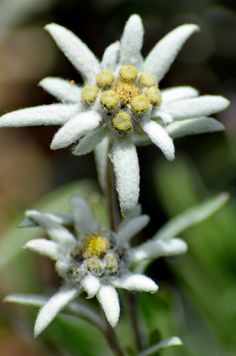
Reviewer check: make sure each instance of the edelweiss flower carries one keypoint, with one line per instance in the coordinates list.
(95, 261)
(121, 103)
(92, 260)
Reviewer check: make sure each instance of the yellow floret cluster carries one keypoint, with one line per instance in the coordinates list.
(124, 96)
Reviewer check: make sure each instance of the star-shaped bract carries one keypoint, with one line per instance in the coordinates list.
(121, 103)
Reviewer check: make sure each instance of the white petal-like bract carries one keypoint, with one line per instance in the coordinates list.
(126, 167)
(165, 51)
(89, 142)
(76, 127)
(53, 307)
(101, 157)
(53, 114)
(171, 341)
(191, 217)
(193, 126)
(178, 93)
(136, 282)
(62, 89)
(91, 285)
(108, 298)
(44, 247)
(131, 228)
(75, 50)
(111, 55)
(160, 138)
(83, 218)
(55, 231)
(132, 41)
(156, 248)
(201, 106)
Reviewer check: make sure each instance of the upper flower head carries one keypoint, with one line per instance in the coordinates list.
(121, 103)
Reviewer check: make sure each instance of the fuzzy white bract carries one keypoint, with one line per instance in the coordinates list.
(121, 104)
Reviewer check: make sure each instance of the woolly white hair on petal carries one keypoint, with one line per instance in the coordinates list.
(158, 248)
(165, 51)
(53, 307)
(136, 282)
(61, 89)
(76, 127)
(83, 218)
(194, 126)
(111, 56)
(132, 41)
(44, 247)
(131, 228)
(108, 298)
(54, 114)
(101, 153)
(75, 50)
(160, 138)
(89, 142)
(55, 231)
(91, 285)
(178, 93)
(126, 167)
(201, 106)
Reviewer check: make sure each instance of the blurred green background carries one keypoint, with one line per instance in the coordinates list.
(197, 291)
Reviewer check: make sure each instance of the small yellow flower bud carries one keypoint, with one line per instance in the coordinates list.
(95, 246)
(72, 82)
(154, 95)
(109, 99)
(147, 79)
(89, 94)
(105, 78)
(128, 72)
(140, 104)
(122, 122)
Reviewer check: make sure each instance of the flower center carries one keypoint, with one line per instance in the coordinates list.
(122, 96)
(126, 91)
(95, 246)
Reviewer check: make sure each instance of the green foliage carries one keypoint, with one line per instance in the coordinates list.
(206, 275)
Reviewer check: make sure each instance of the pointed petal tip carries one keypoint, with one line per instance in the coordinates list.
(135, 17)
(171, 155)
(8, 299)
(50, 26)
(193, 26)
(225, 102)
(55, 145)
(36, 333)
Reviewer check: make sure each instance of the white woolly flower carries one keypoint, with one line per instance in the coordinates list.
(94, 261)
(121, 104)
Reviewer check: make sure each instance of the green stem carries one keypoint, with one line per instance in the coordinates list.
(113, 341)
(133, 313)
